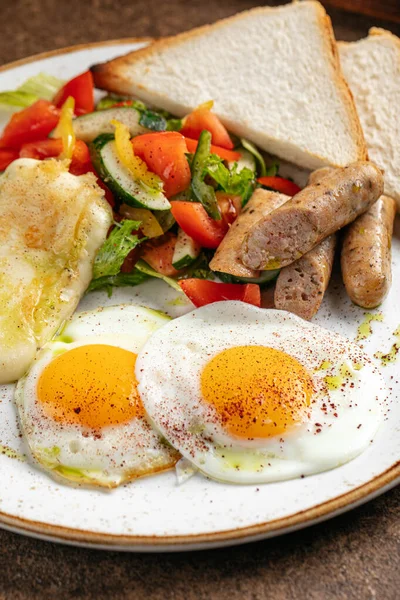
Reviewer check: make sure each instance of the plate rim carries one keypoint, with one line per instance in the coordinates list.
(304, 518)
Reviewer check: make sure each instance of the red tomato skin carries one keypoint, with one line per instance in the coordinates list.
(229, 155)
(7, 155)
(201, 119)
(158, 253)
(202, 292)
(30, 124)
(164, 154)
(81, 88)
(80, 162)
(280, 184)
(195, 222)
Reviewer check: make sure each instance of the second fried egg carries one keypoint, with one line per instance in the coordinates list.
(250, 395)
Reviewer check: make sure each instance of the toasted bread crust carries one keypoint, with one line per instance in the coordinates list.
(112, 75)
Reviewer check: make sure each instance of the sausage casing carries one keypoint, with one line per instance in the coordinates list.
(227, 257)
(300, 287)
(366, 254)
(310, 216)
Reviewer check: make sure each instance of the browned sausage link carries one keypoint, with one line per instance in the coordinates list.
(227, 257)
(366, 254)
(312, 215)
(318, 175)
(301, 286)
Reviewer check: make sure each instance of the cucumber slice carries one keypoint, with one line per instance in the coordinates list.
(186, 251)
(265, 277)
(120, 181)
(88, 127)
(246, 160)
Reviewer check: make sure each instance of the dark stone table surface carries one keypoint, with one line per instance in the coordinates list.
(355, 556)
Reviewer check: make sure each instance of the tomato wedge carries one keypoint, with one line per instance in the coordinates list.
(280, 184)
(229, 155)
(81, 88)
(31, 124)
(203, 118)
(80, 162)
(201, 291)
(195, 222)
(165, 155)
(7, 155)
(158, 254)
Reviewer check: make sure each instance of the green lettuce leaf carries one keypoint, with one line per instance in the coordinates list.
(116, 248)
(238, 183)
(39, 86)
(144, 268)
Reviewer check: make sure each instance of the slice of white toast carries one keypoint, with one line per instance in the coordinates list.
(372, 69)
(274, 74)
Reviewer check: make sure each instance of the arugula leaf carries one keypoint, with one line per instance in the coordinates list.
(201, 160)
(144, 268)
(36, 87)
(116, 248)
(121, 279)
(238, 183)
(199, 269)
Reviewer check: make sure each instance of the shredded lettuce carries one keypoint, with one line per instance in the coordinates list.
(39, 86)
(115, 249)
(238, 183)
(143, 267)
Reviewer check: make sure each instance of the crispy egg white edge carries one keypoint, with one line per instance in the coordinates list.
(242, 461)
(112, 459)
(94, 229)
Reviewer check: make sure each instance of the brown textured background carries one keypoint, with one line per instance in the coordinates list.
(353, 557)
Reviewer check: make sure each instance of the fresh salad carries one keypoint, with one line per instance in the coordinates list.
(175, 185)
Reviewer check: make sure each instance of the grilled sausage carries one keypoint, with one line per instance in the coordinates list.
(227, 257)
(318, 175)
(301, 286)
(366, 254)
(310, 216)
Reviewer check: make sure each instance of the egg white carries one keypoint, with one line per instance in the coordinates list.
(123, 451)
(52, 224)
(169, 369)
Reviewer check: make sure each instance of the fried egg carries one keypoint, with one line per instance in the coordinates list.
(51, 225)
(79, 408)
(251, 395)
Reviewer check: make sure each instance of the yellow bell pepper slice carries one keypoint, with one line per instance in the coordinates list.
(149, 225)
(133, 163)
(65, 129)
(206, 105)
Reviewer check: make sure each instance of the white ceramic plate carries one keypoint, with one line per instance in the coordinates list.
(155, 513)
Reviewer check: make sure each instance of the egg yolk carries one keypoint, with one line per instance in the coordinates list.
(92, 386)
(256, 391)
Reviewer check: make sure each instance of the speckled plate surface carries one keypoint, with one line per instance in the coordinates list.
(155, 513)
